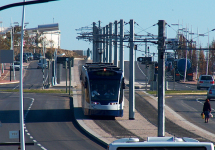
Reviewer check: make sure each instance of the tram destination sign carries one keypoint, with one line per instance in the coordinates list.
(105, 73)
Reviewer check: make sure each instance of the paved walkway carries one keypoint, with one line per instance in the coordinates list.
(5, 76)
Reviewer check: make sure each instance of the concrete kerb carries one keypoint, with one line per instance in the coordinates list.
(82, 125)
(9, 82)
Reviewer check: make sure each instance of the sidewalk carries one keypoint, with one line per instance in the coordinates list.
(5, 77)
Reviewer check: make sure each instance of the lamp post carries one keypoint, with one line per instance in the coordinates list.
(1, 25)
(207, 54)
(22, 136)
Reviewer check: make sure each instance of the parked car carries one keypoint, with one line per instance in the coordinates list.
(42, 63)
(25, 57)
(30, 56)
(16, 66)
(211, 92)
(205, 81)
(37, 56)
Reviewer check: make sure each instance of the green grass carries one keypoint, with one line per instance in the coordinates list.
(37, 91)
(180, 92)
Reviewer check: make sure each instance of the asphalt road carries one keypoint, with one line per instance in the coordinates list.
(49, 119)
(190, 108)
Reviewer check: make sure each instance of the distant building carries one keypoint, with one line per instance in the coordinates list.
(51, 38)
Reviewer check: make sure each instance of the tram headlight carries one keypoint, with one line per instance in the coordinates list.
(95, 103)
(113, 103)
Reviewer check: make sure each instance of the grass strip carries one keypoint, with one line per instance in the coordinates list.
(37, 91)
(181, 92)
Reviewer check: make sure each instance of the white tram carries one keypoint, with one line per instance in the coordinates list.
(160, 143)
(102, 89)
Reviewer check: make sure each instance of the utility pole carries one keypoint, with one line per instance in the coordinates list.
(161, 78)
(131, 73)
(115, 45)
(110, 42)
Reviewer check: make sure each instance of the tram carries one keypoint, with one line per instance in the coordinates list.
(160, 143)
(102, 89)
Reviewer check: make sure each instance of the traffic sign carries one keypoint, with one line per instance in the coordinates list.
(13, 134)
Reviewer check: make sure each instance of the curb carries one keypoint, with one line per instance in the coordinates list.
(9, 82)
(83, 126)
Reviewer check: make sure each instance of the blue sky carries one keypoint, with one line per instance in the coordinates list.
(74, 14)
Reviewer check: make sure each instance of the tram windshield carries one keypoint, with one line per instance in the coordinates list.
(104, 89)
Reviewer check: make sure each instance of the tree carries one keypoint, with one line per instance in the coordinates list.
(4, 43)
(181, 51)
(202, 63)
(211, 59)
(49, 54)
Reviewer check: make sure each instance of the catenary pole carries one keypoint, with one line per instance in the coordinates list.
(21, 111)
(104, 43)
(110, 42)
(121, 55)
(107, 52)
(161, 78)
(185, 70)
(115, 44)
(98, 45)
(94, 42)
(131, 73)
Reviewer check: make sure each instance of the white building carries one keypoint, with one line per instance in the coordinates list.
(49, 32)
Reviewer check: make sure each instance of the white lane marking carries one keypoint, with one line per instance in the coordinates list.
(16, 87)
(31, 137)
